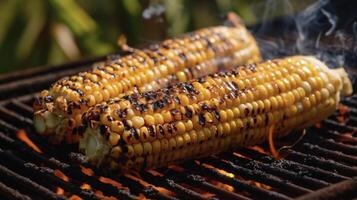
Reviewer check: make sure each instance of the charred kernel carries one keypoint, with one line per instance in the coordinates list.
(103, 129)
(160, 130)
(201, 119)
(144, 134)
(205, 107)
(128, 136)
(176, 114)
(216, 115)
(208, 117)
(135, 133)
(188, 112)
(129, 150)
(152, 132)
(48, 99)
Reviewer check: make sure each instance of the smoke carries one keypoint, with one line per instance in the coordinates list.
(154, 10)
(325, 29)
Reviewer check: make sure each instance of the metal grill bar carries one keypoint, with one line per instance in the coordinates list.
(297, 167)
(258, 175)
(198, 181)
(169, 184)
(343, 190)
(335, 155)
(22, 181)
(294, 177)
(322, 163)
(338, 146)
(148, 191)
(43, 175)
(10, 193)
(239, 185)
(72, 170)
(18, 83)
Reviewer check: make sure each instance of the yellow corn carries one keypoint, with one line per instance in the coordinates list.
(211, 114)
(59, 110)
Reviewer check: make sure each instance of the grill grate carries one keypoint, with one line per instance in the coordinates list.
(321, 165)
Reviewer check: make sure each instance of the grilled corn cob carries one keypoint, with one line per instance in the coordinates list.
(211, 114)
(58, 110)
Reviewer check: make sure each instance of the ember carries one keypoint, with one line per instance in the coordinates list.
(22, 135)
(87, 171)
(112, 182)
(59, 174)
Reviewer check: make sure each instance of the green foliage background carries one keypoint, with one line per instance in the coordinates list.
(48, 32)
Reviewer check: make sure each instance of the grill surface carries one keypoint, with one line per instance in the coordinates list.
(322, 165)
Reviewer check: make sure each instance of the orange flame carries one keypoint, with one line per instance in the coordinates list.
(111, 182)
(75, 197)
(85, 186)
(221, 171)
(272, 148)
(102, 196)
(226, 173)
(223, 186)
(60, 175)
(343, 109)
(59, 191)
(87, 171)
(164, 190)
(22, 135)
(220, 184)
(261, 185)
(259, 149)
(141, 197)
(146, 184)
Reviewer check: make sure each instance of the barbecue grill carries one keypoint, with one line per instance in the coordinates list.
(321, 165)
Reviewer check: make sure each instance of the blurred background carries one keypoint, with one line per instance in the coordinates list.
(50, 32)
